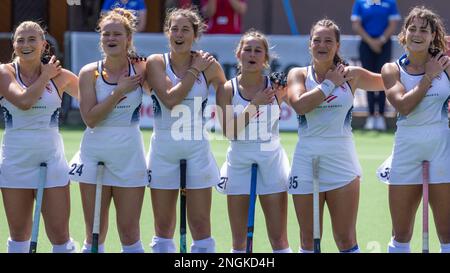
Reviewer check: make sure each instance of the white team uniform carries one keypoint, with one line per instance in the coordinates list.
(179, 134)
(325, 132)
(421, 135)
(116, 141)
(257, 143)
(30, 138)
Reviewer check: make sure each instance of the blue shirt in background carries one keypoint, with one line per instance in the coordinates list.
(375, 15)
(136, 5)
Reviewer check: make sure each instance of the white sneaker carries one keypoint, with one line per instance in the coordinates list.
(370, 123)
(380, 123)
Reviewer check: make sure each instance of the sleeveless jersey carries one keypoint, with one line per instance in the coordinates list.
(332, 118)
(44, 114)
(262, 127)
(433, 108)
(188, 115)
(127, 110)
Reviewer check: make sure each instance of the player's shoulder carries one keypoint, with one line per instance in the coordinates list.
(157, 57)
(89, 71)
(90, 67)
(298, 71)
(7, 73)
(7, 68)
(67, 73)
(214, 70)
(65, 77)
(156, 60)
(228, 85)
(390, 68)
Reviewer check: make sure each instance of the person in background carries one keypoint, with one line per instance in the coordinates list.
(375, 21)
(224, 16)
(137, 6)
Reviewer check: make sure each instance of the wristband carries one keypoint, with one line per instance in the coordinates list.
(327, 87)
(383, 39)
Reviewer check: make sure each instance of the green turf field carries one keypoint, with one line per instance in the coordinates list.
(374, 225)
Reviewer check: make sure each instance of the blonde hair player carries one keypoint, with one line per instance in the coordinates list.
(322, 95)
(418, 86)
(31, 93)
(251, 113)
(180, 81)
(110, 100)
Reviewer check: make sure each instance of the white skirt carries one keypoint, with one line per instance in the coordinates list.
(164, 162)
(122, 151)
(272, 174)
(338, 164)
(22, 153)
(412, 145)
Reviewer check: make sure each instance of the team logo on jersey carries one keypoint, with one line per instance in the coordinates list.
(258, 113)
(330, 98)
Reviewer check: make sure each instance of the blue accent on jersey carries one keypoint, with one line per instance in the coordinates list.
(156, 107)
(348, 117)
(375, 17)
(445, 108)
(204, 103)
(54, 119)
(8, 117)
(302, 122)
(136, 114)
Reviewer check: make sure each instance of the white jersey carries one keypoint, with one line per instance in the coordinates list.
(433, 109)
(262, 127)
(190, 110)
(332, 118)
(127, 111)
(44, 114)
